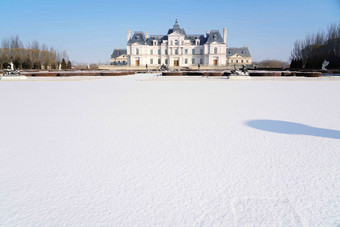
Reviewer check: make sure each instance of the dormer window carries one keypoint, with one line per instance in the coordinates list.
(214, 36)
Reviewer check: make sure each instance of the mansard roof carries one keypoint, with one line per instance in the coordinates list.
(214, 36)
(138, 37)
(158, 38)
(244, 51)
(118, 52)
(192, 38)
(176, 28)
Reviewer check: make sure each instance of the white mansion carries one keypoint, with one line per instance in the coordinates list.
(179, 49)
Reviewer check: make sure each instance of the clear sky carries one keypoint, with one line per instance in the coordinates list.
(89, 30)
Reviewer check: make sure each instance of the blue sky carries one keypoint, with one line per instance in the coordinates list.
(90, 30)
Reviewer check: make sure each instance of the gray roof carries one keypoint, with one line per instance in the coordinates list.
(244, 51)
(139, 37)
(176, 28)
(214, 36)
(158, 38)
(192, 38)
(118, 52)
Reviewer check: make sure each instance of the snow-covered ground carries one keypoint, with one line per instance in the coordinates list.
(142, 151)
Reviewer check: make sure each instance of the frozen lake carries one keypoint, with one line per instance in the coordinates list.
(145, 151)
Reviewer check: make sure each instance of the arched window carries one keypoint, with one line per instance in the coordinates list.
(215, 50)
(137, 51)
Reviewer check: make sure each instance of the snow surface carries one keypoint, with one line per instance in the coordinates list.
(128, 151)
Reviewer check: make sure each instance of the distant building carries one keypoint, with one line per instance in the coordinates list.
(179, 49)
(238, 56)
(119, 57)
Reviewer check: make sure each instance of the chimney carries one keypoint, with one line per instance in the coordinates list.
(128, 35)
(225, 35)
(146, 35)
(208, 32)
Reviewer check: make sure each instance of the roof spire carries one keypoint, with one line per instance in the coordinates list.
(176, 25)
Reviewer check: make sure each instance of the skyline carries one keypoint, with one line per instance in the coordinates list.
(89, 31)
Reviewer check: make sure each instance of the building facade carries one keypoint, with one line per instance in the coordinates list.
(178, 49)
(238, 56)
(118, 57)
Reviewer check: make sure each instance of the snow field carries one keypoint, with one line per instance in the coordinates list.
(129, 151)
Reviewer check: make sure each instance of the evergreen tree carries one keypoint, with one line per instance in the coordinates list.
(69, 65)
(63, 64)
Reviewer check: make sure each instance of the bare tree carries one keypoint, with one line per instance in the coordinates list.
(318, 47)
(33, 55)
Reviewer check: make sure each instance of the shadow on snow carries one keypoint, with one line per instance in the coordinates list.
(292, 128)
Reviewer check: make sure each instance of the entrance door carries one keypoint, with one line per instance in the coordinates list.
(215, 62)
(137, 62)
(176, 63)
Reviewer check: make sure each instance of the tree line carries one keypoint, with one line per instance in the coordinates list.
(31, 56)
(311, 52)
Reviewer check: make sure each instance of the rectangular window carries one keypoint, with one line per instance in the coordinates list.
(166, 61)
(201, 51)
(176, 51)
(159, 52)
(186, 51)
(186, 61)
(232, 61)
(247, 61)
(201, 60)
(193, 61)
(151, 52)
(159, 61)
(166, 51)
(151, 61)
(236, 61)
(193, 51)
